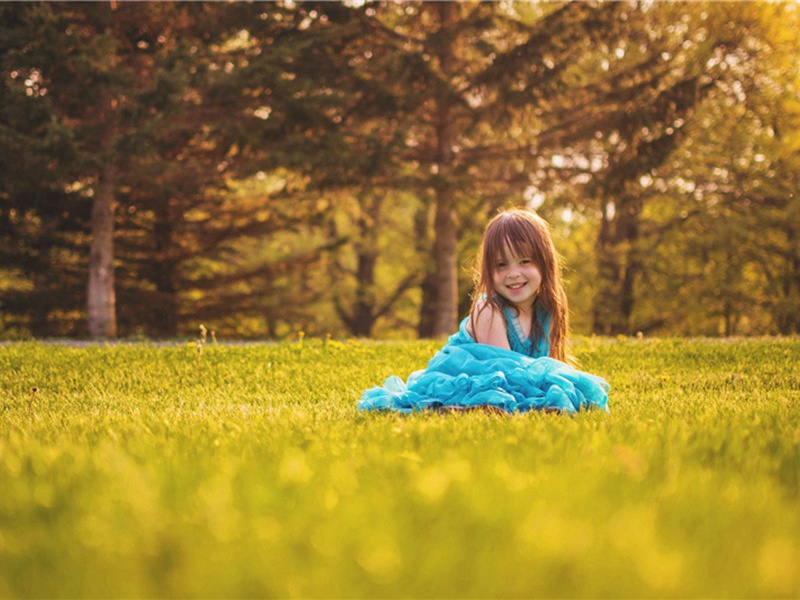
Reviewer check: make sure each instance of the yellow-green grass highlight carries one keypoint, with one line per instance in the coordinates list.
(241, 471)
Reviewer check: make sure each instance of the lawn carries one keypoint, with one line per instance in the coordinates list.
(246, 470)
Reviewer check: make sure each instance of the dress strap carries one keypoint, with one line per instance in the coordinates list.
(518, 341)
(543, 345)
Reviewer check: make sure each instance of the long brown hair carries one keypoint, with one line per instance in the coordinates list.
(526, 234)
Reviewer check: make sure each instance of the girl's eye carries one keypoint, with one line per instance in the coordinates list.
(500, 265)
(525, 261)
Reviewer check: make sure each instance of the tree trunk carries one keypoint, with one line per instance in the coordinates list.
(628, 228)
(445, 226)
(165, 318)
(607, 275)
(788, 320)
(618, 267)
(361, 319)
(101, 305)
(445, 316)
(365, 309)
(794, 296)
(728, 318)
(428, 285)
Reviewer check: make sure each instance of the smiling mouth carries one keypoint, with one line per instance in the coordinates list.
(515, 286)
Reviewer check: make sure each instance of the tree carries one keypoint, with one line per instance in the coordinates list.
(226, 148)
(456, 87)
(618, 127)
(70, 49)
(723, 210)
(160, 136)
(41, 217)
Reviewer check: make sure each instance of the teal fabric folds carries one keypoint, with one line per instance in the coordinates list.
(465, 373)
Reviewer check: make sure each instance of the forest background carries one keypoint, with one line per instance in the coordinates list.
(266, 169)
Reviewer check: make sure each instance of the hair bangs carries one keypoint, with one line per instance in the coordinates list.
(511, 236)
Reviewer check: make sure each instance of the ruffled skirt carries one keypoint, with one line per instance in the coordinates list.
(465, 374)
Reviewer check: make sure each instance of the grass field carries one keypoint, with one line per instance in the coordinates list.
(239, 471)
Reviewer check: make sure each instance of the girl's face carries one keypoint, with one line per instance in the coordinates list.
(517, 279)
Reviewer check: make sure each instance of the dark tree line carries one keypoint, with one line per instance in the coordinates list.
(325, 166)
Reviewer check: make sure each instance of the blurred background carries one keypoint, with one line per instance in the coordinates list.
(266, 169)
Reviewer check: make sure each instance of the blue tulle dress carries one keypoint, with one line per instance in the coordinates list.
(466, 374)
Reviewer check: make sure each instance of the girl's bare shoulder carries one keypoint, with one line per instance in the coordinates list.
(489, 325)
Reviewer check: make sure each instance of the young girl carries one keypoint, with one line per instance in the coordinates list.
(510, 352)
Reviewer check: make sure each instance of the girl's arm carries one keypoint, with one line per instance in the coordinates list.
(490, 326)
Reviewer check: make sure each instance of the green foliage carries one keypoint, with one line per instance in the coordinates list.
(246, 470)
(665, 131)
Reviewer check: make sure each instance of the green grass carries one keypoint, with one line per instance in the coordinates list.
(137, 470)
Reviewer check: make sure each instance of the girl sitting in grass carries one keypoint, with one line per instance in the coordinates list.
(509, 353)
